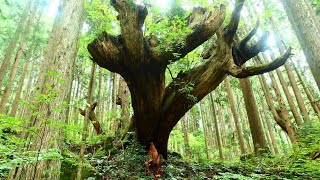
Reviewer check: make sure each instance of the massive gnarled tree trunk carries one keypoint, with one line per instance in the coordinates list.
(157, 108)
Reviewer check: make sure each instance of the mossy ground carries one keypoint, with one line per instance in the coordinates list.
(129, 164)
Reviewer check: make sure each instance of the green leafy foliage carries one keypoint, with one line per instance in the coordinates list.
(316, 5)
(169, 32)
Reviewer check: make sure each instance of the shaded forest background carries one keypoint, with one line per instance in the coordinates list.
(76, 122)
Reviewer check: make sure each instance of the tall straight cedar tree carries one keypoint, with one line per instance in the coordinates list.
(14, 41)
(55, 77)
(303, 24)
(158, 108)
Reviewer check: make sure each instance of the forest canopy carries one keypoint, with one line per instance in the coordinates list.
(164, 89)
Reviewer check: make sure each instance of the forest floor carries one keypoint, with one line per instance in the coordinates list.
(129, 164)
(235, 170)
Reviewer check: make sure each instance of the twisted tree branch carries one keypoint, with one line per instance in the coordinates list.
(242, 52)
(245, 72)
(92, 117)
(250, 35)
(232, 27)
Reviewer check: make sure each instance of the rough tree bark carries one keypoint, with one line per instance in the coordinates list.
(157, 108)
(307, 32)
(259, 141)
(54, 81)
(123, 101)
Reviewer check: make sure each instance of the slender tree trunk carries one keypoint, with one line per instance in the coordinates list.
(103, 100)
(114, 101)
(20, 85)
(268, 138)
(233, 137)
(293, 108)
(269, 99)
(307, 32)
(285, 123)
(18, 57)
(297, 93)
(244, 121)
(26, 90)
(185, 135)
(215, 119)
(14, 41)
(110, 101)
(223, 131)
(86, 122)
(204, 130)
(308, 93)
(100, 104)
(7, 90)
(289, 71)
(269, 126)
(195, 123)
(68, 97)
(222, 125)
(256, 128)
(235, 116)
